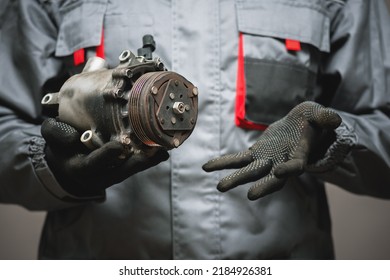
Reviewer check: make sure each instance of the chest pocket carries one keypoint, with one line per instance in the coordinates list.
(80, 29)
(280, 47)
(82, 22)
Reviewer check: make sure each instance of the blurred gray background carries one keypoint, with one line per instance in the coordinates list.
(361, 228)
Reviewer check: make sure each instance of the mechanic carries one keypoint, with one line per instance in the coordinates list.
(291, 94)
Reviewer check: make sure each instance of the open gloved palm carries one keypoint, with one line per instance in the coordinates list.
(82, 172)
(283, 150)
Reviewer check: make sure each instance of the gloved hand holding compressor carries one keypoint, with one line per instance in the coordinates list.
(113, 123)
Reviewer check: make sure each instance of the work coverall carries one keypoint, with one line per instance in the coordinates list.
(281, 52)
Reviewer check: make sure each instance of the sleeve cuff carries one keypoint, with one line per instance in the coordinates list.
(47, 178)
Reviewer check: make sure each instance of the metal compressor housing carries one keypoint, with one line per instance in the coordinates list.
(138, 101)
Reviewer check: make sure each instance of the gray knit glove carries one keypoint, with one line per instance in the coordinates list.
(283, 150)
(85, 173)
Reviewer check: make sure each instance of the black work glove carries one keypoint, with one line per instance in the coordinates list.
(82, 172)
(283, 150)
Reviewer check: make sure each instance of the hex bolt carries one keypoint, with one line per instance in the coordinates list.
(159, 64)
(178, 107)
(154, 90)
(173, 120)
(176, 142)
(187, 107)
(176, 82)
(162, 121)
(126, 140)
(128, 73)
(172, 95)
(195, 91)
(192, 121)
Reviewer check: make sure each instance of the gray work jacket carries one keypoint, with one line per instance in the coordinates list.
(340, 57)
